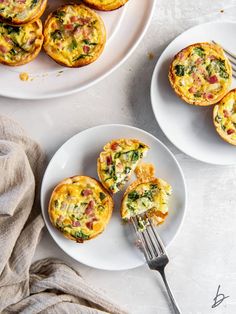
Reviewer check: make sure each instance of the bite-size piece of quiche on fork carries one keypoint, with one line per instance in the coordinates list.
(201, 74)
(147, 197)
(117, 162)
(105, 5)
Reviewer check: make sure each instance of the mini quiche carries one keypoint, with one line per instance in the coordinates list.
(224, 117)
(80, 208)
(105, 5)
(18, 12)
(74, 35)
(20, 44)
(147, 195)
(200, 74)
(117, 162)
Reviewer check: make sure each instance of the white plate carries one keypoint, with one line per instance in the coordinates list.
(48, 82)
(188, 127)
(115, 248)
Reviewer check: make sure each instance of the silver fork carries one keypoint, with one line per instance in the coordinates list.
(231, 56)
(154, 253)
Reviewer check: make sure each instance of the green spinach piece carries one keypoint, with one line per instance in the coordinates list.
(179, 70)
(56, 35)
(133, 196)
(199, 51)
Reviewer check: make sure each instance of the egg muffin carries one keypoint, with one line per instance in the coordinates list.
(18, 12)
(74, 35)
(117, 162)
(105, 5)
(147, 195)
(224, 117)
(80, 208)
(20, 44)
(200, 74)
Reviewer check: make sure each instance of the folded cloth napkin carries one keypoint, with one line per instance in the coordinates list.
(48, 285)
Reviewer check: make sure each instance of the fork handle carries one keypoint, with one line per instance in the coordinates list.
(173, 301)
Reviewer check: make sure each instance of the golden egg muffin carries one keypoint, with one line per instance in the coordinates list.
(200, 74)
(20, 44)
(147, 195)
(224, 117)
(74, 35)
(117, 162)
(105, 5)
(18, 12)
(80, 208)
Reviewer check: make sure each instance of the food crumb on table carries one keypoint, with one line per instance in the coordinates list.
(24, 76)
(222, 11)
(150, 56)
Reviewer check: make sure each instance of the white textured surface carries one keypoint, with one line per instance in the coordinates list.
(203, 255)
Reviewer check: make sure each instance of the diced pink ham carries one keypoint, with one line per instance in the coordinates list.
(90, 207)
(213, 79)
(192, 90)
(69, 27)
(3, 49)
(75, 223)
(83, 21)
(226, 113)
(198, 61)
(89, 225)
(208, 95)
(86, 49)
(230, 131)
(114, 145)
(87, 192)
(73, 19)
(109, 160)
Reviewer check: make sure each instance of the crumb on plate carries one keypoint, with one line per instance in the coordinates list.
(24, 76)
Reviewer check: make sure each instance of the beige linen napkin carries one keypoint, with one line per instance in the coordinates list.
(49, 285)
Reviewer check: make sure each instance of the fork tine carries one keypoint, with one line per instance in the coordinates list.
(146, 250)
(231, 57)
(158, 239)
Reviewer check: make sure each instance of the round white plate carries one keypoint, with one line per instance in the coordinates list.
(190, 128)
(48, 79)
(115, 248)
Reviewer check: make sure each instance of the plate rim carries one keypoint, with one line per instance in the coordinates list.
(185, 193)
(154, 75)
(100, 78)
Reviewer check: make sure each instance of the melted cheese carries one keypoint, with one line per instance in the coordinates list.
(80, 208)
(201, 74)
(19, 44)
(117, 162)
(74, 35)
(225, 117)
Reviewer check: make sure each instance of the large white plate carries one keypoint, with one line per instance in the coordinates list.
(48, 82)
(188, 127)
(115, 248)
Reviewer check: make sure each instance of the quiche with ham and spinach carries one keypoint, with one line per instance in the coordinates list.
(200, 74)
(21, 11)
(105, 5)
(224, 117)
(117, 162)
(74, 35)
(20, 44)
(80, 208)
(146, 197)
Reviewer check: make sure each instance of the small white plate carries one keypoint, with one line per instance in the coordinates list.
(48, 79)
(115, 248)
(188, 127)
